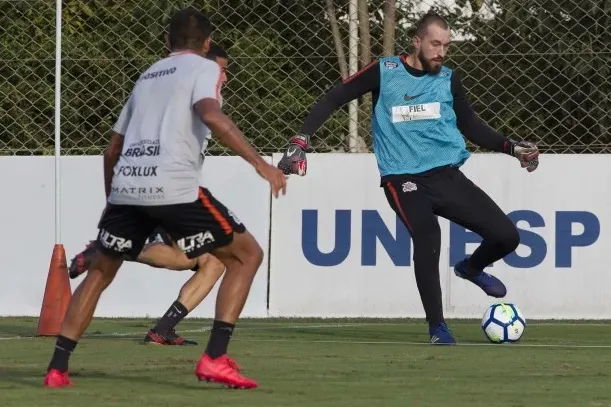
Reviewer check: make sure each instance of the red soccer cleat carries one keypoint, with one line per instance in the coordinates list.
(57, 379)
(222, 370)
(170, 338)
(233, 364)
(81, 262)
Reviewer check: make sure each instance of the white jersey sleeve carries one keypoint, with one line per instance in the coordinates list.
(207, 84)
(124, 118)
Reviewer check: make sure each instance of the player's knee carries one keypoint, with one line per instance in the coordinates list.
(178, 260)
(216, 265)
(249, 251)
(182, 262)
(104, 269)
(508, 238)
(254, 254)
(208, 262)
(243, 251)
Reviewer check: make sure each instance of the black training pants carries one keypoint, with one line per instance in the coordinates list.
(446, 192)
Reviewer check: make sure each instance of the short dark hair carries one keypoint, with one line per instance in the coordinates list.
(428, 19)
(188, 29)
(216, 51)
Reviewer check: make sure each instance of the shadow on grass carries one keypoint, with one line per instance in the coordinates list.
(33, 378)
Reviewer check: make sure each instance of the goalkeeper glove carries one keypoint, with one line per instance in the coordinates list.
(526, 152)
(294, 160)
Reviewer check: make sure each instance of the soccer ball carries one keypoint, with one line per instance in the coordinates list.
(503, 323)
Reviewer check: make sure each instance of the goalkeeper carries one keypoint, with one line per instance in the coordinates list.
(420, 114)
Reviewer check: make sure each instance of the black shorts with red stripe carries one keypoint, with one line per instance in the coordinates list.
(197, 227)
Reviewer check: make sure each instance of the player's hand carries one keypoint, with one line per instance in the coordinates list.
(527, 153)
(294, 160)
(275, 177)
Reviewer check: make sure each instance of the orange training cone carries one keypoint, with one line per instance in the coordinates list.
(57, 295)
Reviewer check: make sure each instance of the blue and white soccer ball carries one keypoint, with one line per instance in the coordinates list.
(503, 323)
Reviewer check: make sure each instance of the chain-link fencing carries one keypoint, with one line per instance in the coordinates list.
(537, 70)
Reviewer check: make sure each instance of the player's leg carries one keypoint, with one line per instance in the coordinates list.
(242, 259)
(161, 255)
(122, 229)
(158, 252)
(469, 206)
(412, 204)
(208, 226)
(208, 270)
(161, 252)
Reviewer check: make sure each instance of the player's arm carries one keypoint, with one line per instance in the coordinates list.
(111, 157)
(115, 147)
(365, 81)
(205, 99)
(478, 132)
(225, 130)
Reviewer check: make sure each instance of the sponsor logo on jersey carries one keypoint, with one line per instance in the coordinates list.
(137, 171)
(143, 148)
(144, 151)
(408, 97)
(143, 193)
(409, 186)
(391, 64)
(158, 74)
(423, 111)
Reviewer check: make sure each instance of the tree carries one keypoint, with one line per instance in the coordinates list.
(364, 33)
(537, 71)
(533, 69)
(337, 39)
(389, 27)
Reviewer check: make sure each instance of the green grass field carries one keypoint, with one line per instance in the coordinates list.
(317, 363)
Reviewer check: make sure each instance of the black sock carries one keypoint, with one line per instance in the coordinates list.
(219, 338)
(63, 349)
(171, 318)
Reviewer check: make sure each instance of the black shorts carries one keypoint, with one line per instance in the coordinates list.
(159, 235)
(197, 227)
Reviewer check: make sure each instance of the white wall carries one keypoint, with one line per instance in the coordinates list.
(351, 182)
(27, 222)
(552, 280)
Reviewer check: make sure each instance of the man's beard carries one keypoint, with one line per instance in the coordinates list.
(429, 65)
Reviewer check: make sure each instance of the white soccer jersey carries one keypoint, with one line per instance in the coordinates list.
(164, 137)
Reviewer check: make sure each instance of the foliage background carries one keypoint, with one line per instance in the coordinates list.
(534, 69)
